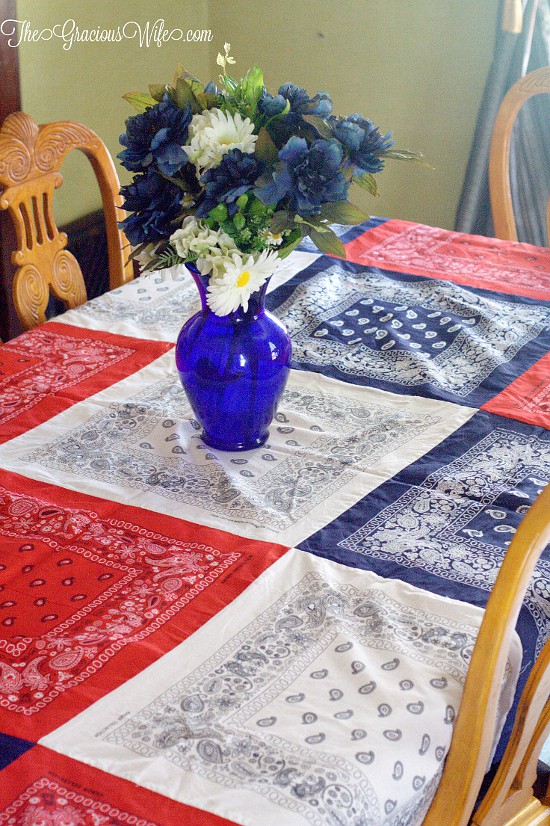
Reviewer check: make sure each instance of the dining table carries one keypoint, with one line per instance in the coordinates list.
(279, 636)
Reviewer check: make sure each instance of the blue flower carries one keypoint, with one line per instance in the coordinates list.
(236, 174)
(271, 105)
(156, 136)
(302, 104)
(363, 141)
(155, 203)
(293, 123)
(299, 100)
(309, 176)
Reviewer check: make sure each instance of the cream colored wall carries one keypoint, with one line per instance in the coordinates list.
(417, 68)
(86, 82)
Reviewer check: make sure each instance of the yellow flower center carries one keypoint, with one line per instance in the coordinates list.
(243, 279)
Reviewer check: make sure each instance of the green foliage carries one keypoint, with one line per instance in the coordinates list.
(292, 240)
(320, 125)
(366, 181)
(404, 155)
(183, 95)
(343, 212)
(249, 226)
(139, 100)
(167, 258)
(327, 241)
(266, 149)
(281, 221)
(243, 95)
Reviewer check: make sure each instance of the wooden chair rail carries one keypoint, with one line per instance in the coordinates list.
(472, 740)
(510, 797)
(30, 159)
(535, 83)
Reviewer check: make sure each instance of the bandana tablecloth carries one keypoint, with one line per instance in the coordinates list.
(282, 635)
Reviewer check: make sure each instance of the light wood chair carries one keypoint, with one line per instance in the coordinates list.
(535, 83)
(510, 800)
(30, 159)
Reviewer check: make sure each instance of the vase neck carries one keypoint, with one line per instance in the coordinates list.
(202, 285)
(256, 302)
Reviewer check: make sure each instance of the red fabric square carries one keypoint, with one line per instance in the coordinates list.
(91, 592)
(473, 260)
(43, 787)
(48, 369)
(528, 397)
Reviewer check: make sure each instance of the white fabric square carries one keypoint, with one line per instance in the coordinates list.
(321, 695)
(330, 444)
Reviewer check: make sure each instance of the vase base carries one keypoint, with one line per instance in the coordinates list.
(233, 446)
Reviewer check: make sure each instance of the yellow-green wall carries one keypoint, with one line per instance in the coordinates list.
(417, 68)
(86, 82)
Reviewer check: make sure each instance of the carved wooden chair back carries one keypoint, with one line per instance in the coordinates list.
(535, 83)
(510, 800)
(30, 159)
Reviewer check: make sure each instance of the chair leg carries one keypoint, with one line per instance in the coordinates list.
(510, 800)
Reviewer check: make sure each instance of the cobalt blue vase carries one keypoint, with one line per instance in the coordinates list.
(233, 369)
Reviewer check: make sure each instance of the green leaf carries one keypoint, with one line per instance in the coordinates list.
(252, 85)
(157, 91)
(281, 221)
(342, 212)
(366, 181)
(406, 155)
(320, 125)
(287, 248)
(140, 100)
(180, 72)
(207, 100)
(184, 95)
(285, 111)
(401, 155)
(239, 220)
(219, 213)
(265, 149)
(138, 250)
(183, 185)
(257, 208)
(327, 242)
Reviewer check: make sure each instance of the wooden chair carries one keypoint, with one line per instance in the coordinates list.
(510, 800)
(535, 83)
(30, 158)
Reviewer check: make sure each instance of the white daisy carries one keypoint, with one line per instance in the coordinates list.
(270, 239)
(213, 133)
(243, 275)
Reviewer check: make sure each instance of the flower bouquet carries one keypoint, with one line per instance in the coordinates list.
(231, 178)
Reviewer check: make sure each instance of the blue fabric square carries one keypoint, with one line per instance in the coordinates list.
(11, 748)
(407, 334)
(445, 521)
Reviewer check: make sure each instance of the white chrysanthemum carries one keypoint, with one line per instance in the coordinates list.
(196, 239)
(242, 276)
(213, 133)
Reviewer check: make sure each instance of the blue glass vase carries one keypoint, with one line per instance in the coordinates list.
(233, 369)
